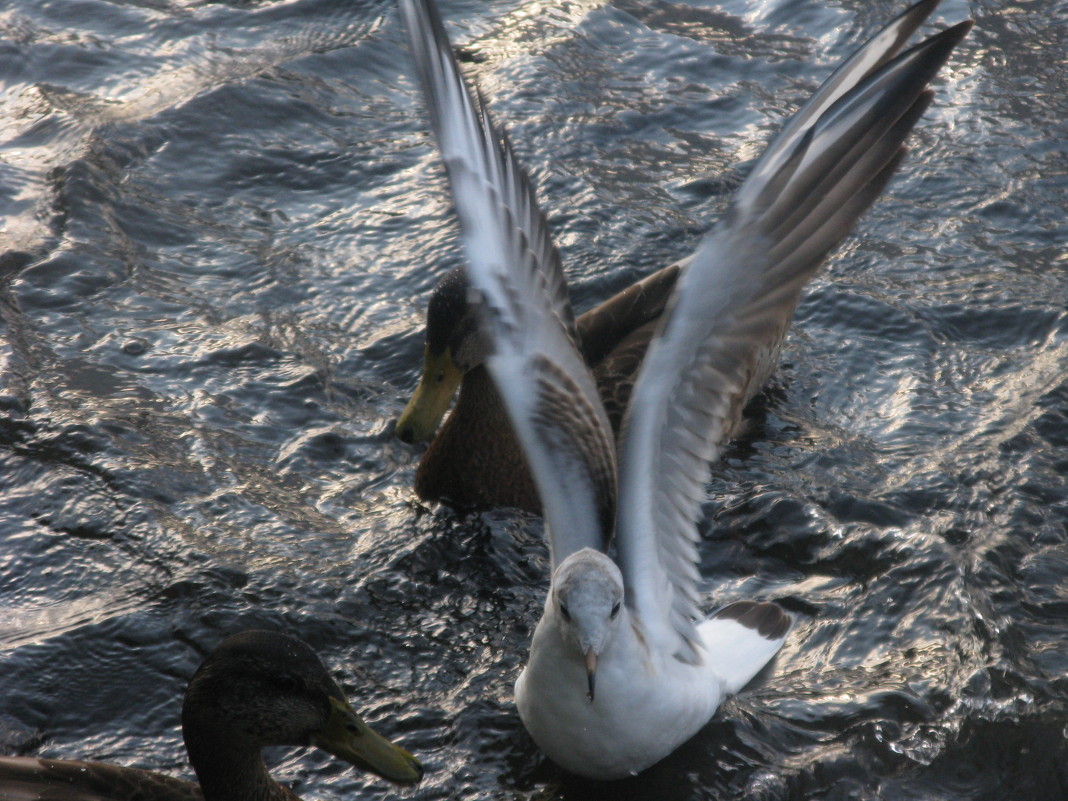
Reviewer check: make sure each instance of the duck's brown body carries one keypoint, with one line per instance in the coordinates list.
(29, 779)
(475, 461)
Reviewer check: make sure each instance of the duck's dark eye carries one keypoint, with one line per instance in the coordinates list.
(439, 377)
(565, 613)
(615, 609)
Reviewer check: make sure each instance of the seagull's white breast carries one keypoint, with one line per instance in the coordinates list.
(645, 706)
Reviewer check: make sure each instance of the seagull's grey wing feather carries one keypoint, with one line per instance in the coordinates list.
(876, 51)
(479, 158)
(518, 283)
(727, 320)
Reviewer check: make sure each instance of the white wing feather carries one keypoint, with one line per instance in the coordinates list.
(730, 312)
(515, 271)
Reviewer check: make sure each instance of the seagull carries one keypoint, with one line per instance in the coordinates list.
(623, 666)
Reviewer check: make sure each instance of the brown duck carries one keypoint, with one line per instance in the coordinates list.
(258, 688)
(474, 459)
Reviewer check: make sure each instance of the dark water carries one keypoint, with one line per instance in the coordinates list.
(220, 224)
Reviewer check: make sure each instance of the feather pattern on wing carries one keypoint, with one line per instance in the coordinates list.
(492, 193)
(731, 309)
(874, 54)
(515, 272)
(581, 449)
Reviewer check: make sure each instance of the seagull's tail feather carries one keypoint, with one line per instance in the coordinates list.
(741, 638)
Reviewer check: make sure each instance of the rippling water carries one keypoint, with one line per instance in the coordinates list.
(220, 224)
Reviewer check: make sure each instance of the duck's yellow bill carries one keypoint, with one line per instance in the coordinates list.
(347, 737)
(431, 399)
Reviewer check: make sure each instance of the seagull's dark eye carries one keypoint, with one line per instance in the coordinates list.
(615, 610)
(565, 613)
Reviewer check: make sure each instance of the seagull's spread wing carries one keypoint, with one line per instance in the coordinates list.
(517, 279)
(731, 310)
(875, 53)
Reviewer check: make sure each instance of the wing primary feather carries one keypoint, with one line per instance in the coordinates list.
(853, 121)
(518, 286)
(487, 179)
(734, 302)
(799, 229)
(872, 55)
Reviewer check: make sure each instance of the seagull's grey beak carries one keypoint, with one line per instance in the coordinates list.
(591, 672)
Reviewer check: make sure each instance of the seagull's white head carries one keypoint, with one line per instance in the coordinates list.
(587, 599)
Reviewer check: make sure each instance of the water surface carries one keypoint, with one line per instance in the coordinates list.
(220, 222)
